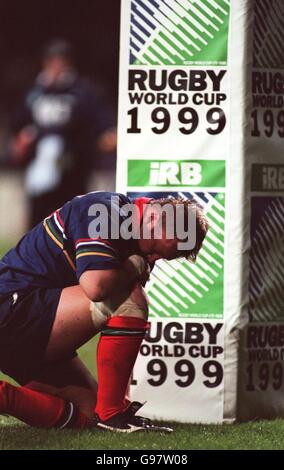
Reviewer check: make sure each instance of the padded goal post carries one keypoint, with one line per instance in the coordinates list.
(201, 114)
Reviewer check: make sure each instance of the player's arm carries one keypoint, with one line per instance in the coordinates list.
(99, 285)
(99, 268)
(23, 133)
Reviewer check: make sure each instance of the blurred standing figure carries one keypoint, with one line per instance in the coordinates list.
(56, 132)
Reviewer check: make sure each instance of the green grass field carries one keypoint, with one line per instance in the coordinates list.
(254, 435)
(261, 435)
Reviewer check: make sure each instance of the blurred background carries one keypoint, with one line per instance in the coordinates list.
(58, 104)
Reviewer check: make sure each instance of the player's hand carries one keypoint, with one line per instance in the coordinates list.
(144, 278)
(152, 260)
(22, 143)
(108, 141)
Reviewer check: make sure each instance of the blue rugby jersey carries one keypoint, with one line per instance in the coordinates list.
(56, 252)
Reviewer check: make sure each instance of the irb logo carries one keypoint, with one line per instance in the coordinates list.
(175, 173)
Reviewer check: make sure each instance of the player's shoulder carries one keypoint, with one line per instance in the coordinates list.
(106, 198)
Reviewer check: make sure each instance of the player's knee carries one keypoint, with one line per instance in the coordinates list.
(133, 312)
(136, 305)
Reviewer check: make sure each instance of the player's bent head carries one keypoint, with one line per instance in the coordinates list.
(173, 228)
(59, 48)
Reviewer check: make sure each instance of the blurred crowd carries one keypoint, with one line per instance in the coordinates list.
(62, 130)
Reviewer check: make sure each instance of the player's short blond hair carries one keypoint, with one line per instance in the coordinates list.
(193, 207)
